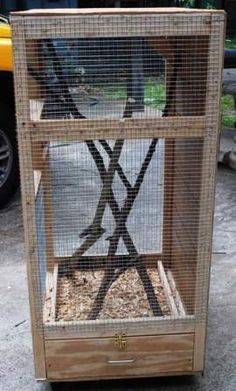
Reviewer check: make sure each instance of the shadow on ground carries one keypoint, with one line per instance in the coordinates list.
(149, 384)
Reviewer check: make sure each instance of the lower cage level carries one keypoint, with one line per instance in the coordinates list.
(70, 294)
(118, 352)
(125, 338)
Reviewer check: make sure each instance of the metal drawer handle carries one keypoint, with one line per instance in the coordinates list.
(120, 362)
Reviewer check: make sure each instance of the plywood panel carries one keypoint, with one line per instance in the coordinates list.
(91, 358)
(183, 172)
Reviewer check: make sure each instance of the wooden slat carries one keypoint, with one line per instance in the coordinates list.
(100, 23)
(89, 26)
(199, 347)
(167, 290)
(181, 121)
(169, 155)
(176, 294)
(36, 107)
(47, 308)
(67, 330)
(168, 201)
(54, 292)
(49, 311)
(37, 181)
(39, 154)
(93, 262)
(75, 130)
(48, 212)
(114, 11)
(99, 358)
(141, 28)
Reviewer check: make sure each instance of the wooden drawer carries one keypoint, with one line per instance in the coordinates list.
(100, 358)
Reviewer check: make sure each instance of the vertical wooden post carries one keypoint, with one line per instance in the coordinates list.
(169, 164)
(207, 200)
(48, 212)
(28, 197)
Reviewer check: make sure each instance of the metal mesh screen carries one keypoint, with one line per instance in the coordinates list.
(117, 119)
(76, 191)
(110, 78)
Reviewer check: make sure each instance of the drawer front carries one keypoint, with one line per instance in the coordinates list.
(101, 358)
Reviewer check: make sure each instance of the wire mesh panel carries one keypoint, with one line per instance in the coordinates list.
(117, 121)
(101, 75)
(76, 189)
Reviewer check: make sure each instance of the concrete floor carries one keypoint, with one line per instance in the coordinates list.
(16, 367)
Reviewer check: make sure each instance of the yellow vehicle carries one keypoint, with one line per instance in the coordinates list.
(8, 144)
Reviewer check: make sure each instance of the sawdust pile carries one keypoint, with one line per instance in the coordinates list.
(126, 297)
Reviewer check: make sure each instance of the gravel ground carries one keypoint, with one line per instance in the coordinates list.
(16, 367)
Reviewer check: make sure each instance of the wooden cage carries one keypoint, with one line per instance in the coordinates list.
(118, 121)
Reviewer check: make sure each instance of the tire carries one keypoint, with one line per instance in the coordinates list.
(9, 172)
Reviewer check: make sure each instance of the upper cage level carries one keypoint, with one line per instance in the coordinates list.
(103, 66)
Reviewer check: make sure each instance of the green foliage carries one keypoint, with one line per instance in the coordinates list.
(114, 92)
(154, 96)
(228, 111)
(209, 4)
(187, 3)
(154, 93)
(230, 43)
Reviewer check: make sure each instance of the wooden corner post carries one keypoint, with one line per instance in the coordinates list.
(28, 198)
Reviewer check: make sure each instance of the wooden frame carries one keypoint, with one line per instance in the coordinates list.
(170, 345)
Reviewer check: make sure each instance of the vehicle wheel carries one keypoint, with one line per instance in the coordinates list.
(9, 173)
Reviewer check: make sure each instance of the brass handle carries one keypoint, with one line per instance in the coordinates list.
(121, 362)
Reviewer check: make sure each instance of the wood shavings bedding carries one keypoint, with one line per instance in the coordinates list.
(126, 297)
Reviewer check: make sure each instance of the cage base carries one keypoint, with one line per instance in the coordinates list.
(170, 300)
(119, 357)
